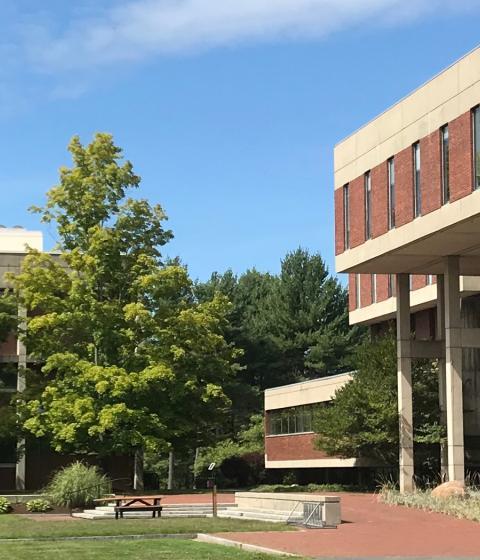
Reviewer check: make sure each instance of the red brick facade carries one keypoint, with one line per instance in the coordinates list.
(382, 287)
(357, 212)
(461, 164)
(419, 281)
(293, 446)
(379, 200)
(404, 187)
(431, 172)
(460, 183)
(352, 295)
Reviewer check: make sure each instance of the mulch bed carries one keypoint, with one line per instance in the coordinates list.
(21, 509)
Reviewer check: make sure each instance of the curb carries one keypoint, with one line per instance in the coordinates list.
(149, 536)
(211, 539)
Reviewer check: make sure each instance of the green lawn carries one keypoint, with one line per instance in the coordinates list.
(17, 526)
(131, 550)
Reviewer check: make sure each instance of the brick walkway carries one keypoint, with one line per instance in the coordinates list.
(373, 529)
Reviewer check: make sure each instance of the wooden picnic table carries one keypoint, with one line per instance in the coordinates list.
(135, 503)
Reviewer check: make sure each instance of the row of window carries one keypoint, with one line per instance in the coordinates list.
(292, 420)
(429, 278)
(417, 180)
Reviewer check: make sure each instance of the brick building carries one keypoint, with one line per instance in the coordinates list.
(289, 437)
(28, 465)
(407, 232)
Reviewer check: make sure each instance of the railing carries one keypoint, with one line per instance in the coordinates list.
(310, 516)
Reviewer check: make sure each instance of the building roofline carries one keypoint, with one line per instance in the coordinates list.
(318, 379)
(434, 77)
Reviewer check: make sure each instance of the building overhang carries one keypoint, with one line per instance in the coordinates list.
(420, 246)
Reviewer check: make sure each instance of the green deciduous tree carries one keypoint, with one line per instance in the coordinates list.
(362, 419)
(131, 360)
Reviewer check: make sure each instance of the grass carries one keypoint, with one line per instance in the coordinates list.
(462, 508)
(131, 550)
(17, 526)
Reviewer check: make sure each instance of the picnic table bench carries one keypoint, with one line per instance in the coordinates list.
(135, 503)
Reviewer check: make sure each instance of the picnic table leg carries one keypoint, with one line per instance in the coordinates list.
(116, 514)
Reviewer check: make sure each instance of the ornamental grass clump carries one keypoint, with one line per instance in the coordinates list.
(467, 507)
(5, 505)
(78, 485)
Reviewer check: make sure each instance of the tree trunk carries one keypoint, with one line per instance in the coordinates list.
(197, 452)
(138, 470)
(170, 471)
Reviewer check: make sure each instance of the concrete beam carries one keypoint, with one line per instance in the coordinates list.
(428, 349)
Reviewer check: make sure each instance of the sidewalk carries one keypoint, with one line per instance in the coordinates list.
(373, 529)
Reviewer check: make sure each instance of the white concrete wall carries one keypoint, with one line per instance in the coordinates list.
(307, 392)
(16, 240)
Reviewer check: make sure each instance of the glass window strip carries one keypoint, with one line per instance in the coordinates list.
(445, 155)
(476, 147)
(391, 193)
(346, 217)
(293, 420)
(417, 192)
(368, 205)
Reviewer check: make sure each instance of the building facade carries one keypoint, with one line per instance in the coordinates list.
(28, 465)
(289, 435)
(407, 224)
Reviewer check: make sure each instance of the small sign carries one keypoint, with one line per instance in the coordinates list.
(211, 466)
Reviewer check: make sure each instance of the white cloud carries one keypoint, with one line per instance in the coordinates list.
(137, 29)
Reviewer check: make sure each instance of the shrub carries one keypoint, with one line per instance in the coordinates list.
(38, 505)
(5, 505)
(78, 485)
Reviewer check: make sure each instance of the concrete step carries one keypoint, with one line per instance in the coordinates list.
(258, 515)
(169, 511)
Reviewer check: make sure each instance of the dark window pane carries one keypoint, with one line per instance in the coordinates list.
(346, 217)
(417, 192)
(476, 147)
(445, 164)
(391, 193)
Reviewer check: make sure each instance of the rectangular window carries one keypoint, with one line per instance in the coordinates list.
(390, 288)
(368, 205)
(417, 192)
(292, 420)
(346, 217)
(391, 193)
(358, 291)
(374, 288)
(476, 147)
(445, 164)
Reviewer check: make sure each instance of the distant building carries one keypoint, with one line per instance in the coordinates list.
(289, 435)
(32, 468)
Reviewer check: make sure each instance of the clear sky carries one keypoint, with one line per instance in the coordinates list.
(229, 110)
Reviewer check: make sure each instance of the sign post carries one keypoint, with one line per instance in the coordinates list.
(211, 468)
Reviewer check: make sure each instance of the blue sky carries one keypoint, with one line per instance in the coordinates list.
(228, 111)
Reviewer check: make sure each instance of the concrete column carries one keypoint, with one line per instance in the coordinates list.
(442, 392)
(453, 371)
(404, 375)
(21, 385)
